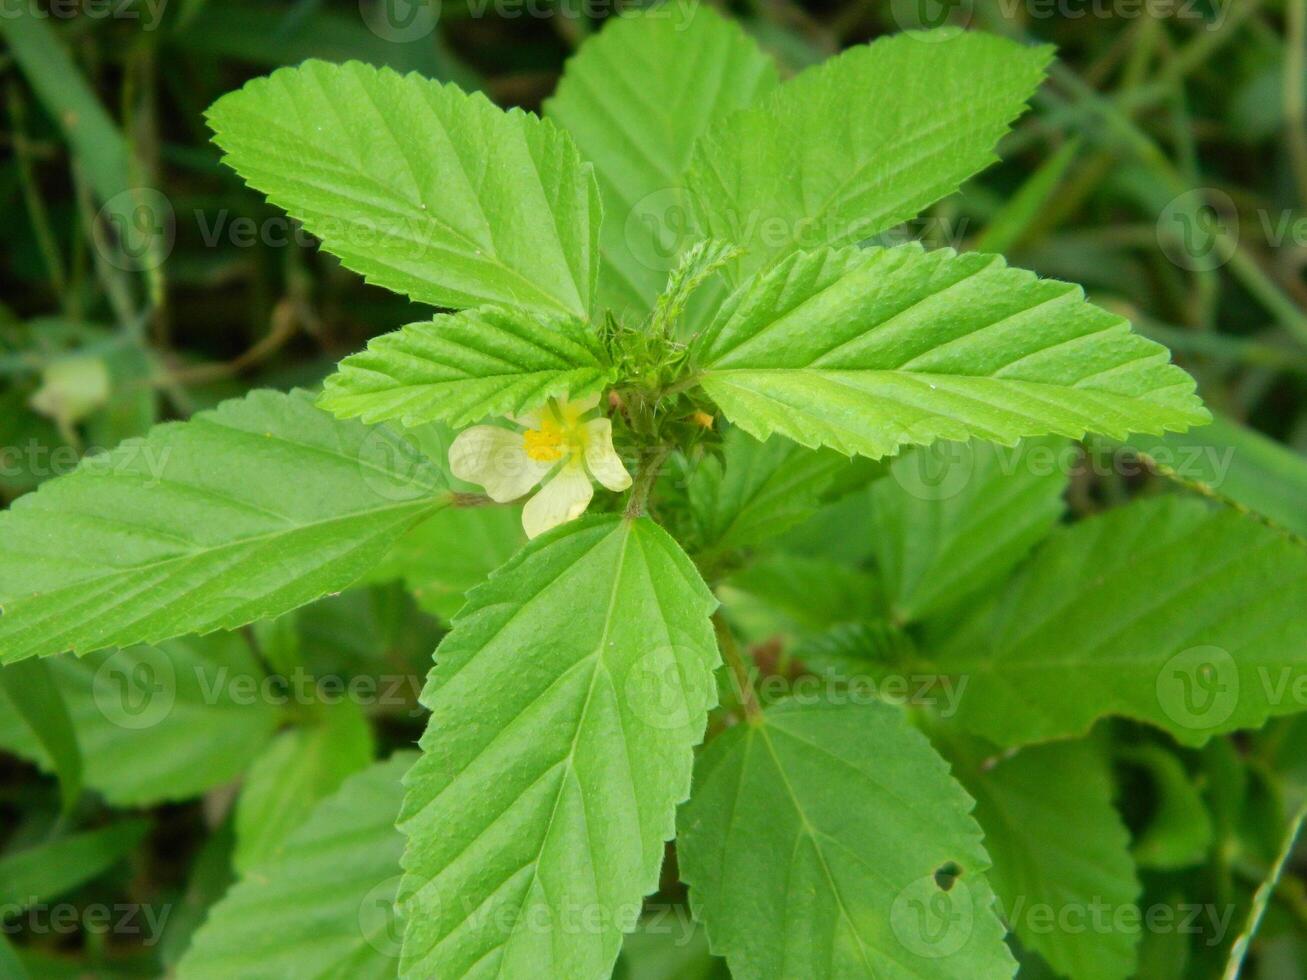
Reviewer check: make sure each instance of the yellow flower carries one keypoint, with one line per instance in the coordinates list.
(558, 447)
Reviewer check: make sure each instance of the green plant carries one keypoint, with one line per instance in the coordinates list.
(821, 837)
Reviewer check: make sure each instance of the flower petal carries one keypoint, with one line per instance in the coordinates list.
(571, 411)
(562, 499)
(600, 457)
(496, 459)
(531, 419)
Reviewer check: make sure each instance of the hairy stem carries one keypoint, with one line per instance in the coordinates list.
(651, 462)
(739, 669)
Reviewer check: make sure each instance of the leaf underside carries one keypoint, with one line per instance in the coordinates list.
(866, 350)
(463, 367)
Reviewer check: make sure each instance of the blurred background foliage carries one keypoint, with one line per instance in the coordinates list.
(1164, 166)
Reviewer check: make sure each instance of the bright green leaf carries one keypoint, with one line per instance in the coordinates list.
(242, 513)
(1062, 870)
(566, 702)
(419, 186)
(1167, 610)
(868, 350)
(342, 863)
(953, 519)
(830, 841)
(635, 98)
(860, 143)
(158, 724)
(298, 769)
(462, 367)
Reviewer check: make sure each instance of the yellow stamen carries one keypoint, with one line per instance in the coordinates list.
(544, 445)
(703, 419)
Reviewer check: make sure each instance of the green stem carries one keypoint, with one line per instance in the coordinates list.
(739, 670)
(1262, 898)
(651, 462)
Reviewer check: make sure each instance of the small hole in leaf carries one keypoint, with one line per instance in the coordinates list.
(946, 874)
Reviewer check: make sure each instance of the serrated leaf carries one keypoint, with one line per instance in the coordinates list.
(860, 143)
(868, 350)
(696, 266)
(757, 490)
(341, 864)
(419, 186)
(241, 513)
(298, 769)
(1062, 870)
(565, 702)
(635, 98)
(953, 519)
(1167, 610)
(452, 552)
(158, 724)
(819, 841)
(462, 367)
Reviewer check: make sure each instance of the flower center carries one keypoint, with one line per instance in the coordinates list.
(545, 444)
